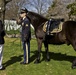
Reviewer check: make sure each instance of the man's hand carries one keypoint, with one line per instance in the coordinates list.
(25, 37)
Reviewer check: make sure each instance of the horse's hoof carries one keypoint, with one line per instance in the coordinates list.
(36, 62)
(74, 67)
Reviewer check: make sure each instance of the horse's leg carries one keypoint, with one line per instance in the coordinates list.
(46, 50)
(39, 50)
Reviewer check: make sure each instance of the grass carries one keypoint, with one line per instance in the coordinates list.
(60, 64)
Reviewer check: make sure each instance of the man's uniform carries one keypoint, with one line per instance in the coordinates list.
(25, 36)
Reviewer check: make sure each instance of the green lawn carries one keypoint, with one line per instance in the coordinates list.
(60, 63)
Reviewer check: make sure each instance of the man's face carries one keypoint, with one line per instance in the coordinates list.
(22, 14)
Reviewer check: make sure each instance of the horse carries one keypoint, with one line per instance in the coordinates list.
(67, 35)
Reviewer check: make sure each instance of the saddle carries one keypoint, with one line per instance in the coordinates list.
(55, 26)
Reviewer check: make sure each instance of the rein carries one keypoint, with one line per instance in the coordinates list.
(42, 24)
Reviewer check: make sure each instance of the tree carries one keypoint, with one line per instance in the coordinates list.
(72, 8)
(58, 9)
(38, 6)
(13, 8)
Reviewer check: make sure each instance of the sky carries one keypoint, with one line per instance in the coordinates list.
(32, 8)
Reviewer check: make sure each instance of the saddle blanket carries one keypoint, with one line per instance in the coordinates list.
(54, 28)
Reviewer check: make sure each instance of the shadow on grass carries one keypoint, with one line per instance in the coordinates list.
(59, 56)
(54, 56)
(13, 60)
(33, 57)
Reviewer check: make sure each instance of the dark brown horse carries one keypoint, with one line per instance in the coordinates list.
(67, 35)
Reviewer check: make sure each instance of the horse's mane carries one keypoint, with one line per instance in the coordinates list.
(36, 15)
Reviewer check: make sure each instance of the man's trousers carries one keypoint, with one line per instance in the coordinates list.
(26, 48)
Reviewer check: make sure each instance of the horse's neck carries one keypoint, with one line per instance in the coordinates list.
(37, 23)
(36, 20)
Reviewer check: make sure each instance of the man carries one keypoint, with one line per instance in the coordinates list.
(25, 34)
(2, 9)
(2, 34)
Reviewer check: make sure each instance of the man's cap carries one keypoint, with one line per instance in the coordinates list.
(23, 10)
